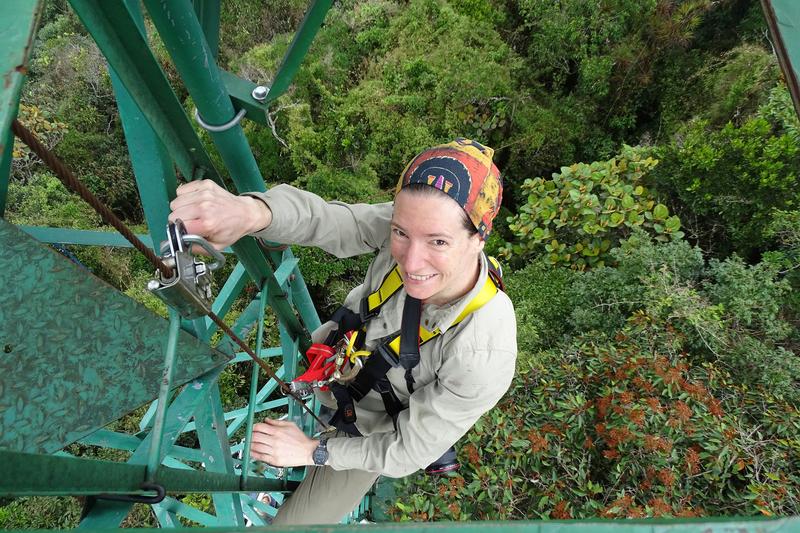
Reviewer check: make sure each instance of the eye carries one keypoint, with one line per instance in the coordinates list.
(439, 242)
(398, 232)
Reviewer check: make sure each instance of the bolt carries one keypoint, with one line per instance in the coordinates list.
(260, 93)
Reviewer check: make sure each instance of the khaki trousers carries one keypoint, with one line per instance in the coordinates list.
(325, 496)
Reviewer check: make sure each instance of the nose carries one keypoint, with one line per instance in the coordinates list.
(415, 258)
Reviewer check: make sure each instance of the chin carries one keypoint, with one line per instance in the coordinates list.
(420, 293)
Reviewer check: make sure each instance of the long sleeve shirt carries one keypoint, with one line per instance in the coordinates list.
(462, 373)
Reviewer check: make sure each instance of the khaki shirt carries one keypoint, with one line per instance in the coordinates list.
(462, 373)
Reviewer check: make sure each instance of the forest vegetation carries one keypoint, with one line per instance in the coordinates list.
(650, 230)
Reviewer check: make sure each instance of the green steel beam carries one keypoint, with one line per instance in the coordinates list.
(18, 21)
(241, 92)
(77, 354)
(82, 237)
(783, 19)
(109, 514)
(5, 167)
(210, 421)
(299, 47)
(184, 39)
(26, 474)
(117, 34)
(208, 12)
(152, 166)
(227, 295)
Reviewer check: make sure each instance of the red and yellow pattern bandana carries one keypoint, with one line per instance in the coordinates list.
(464, 171)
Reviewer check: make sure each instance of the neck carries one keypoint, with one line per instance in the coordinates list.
(459, 290)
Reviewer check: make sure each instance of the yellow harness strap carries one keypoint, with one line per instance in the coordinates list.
(390, 285)
(486, 293)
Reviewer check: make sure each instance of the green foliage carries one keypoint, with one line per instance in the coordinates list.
(580, 215)
(542, 297)
(622, 428)
(726, 183)
(43, 201)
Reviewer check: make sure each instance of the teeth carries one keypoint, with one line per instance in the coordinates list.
(420, 278)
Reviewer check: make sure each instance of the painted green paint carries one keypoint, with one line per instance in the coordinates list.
(76, 354)
(18, 21)
(82, 237)
(152, 166)
(241, 92)
(168, 374)
(5, 168)
(299, 47)
(24, 474)
(109, 514)
(208, 12)
(788, 15)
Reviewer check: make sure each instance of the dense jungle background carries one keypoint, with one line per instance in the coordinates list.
(650, 230)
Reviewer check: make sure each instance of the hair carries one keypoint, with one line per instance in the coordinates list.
(422, 189)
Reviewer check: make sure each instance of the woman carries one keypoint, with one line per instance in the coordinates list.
(434, 233)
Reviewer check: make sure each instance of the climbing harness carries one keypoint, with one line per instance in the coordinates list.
(398, 350)
(189, 288)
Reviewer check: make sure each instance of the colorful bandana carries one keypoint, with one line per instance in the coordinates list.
(463, 170)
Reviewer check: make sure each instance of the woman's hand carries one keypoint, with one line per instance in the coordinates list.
(281, 443)
(210, 211)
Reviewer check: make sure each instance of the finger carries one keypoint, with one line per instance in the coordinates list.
(261, 448)
(278, 423)
(196, 185)
(263, 428)
(265, 457)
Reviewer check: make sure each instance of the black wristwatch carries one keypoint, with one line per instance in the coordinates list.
(320, 455)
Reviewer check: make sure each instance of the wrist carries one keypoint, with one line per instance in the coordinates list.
(260, 214)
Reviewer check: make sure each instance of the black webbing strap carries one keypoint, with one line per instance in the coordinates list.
(409, 338)
(347, 320)
(391, 402)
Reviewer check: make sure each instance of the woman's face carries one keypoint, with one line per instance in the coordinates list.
(437, 256)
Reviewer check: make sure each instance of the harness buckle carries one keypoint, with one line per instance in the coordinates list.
(364, 313)
(388, 354)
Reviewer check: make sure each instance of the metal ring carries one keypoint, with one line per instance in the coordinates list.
(223, 127)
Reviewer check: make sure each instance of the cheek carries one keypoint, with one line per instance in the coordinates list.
(397, 249)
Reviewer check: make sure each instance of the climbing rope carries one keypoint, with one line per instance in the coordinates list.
(72, 183)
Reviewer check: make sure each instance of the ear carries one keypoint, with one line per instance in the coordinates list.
(481, 243)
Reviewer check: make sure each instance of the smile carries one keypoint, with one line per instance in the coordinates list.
(420, 278)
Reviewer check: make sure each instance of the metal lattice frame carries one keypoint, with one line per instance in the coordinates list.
(127, 338)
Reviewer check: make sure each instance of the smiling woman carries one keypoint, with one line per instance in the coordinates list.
(409, 404)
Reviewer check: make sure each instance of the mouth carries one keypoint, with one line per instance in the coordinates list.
(418, 278)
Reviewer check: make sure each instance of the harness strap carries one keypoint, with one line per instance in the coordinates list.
(399, 349)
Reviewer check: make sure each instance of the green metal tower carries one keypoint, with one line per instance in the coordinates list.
(76, 355)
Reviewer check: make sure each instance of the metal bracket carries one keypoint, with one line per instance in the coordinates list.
(222, 127)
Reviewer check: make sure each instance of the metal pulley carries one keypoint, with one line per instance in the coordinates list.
(188, 289)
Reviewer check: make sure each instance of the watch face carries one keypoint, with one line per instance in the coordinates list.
(320, 454)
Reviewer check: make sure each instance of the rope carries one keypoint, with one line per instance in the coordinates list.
(72, 183)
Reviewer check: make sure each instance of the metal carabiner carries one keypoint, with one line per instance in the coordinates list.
(188, 290)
